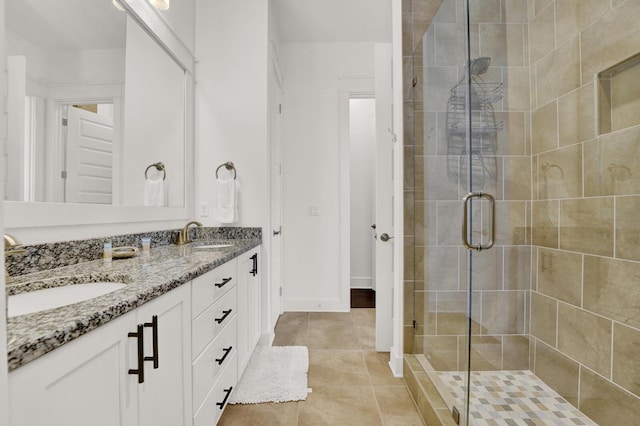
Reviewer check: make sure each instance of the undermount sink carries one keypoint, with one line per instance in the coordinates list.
(210, 246)
(55, 297)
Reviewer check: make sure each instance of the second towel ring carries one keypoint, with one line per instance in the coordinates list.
(159, 167)
(229, 166)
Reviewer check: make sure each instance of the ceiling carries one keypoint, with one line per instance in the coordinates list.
(67, 25)
(330, 21)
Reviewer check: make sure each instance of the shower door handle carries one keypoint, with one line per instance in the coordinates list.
(466, 202)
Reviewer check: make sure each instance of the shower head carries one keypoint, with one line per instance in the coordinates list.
(480, 65)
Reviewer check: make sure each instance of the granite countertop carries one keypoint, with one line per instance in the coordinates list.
(148, 275)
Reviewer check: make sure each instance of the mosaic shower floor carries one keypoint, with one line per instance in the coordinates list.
(511, 398)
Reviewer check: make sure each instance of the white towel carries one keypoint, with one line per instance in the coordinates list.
(154, 194)
(226, 210)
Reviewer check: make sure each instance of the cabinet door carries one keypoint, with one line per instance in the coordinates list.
(165, 396)
(248, 306)
(84, 382)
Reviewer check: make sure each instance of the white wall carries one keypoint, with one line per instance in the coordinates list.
(362, 148)
(232, 40)
(311, 150)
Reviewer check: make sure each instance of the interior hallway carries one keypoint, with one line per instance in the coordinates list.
(352, 384)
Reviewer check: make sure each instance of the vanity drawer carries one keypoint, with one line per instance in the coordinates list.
(208, 287)
(217, 399)
(212, 361)
(211, 321)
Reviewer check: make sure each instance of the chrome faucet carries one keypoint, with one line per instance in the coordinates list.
(11, 247)
(183, 236)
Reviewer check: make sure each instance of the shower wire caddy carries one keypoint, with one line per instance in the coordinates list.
(480, 159)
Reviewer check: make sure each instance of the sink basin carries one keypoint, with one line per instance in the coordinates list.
(49, 298)
(211, 246)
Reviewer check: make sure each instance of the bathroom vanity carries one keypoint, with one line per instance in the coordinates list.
(166, 349)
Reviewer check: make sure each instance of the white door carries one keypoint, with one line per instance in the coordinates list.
(384, 271)
(275, 138)
(89, 157)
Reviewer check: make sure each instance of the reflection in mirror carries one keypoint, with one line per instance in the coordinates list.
(92, 100)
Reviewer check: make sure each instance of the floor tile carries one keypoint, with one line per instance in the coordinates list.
(332, 337)
(379, 370)
(340, 405)
(337, 368)
(284, 414)
(330, 318)
(396, 406)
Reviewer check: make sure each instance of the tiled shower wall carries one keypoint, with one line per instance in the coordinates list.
(574, 213)
(585, 304)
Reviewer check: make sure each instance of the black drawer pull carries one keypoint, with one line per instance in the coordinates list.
(224, 401)
(140, 370)
(224, 281)
(154, 329)
(224, 317)
(226, 351)
(254, 268)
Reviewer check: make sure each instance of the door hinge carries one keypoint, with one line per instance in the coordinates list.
(64, 121)
(63, 174)
(415, 324)
(414, 82)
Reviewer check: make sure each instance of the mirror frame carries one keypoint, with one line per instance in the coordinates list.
(18, 214)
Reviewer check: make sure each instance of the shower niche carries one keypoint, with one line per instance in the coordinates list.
(618, 94)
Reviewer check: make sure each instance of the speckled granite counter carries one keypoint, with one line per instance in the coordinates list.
(147, 276)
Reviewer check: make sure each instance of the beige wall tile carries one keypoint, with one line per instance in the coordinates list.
(438, 81)
(442, 352)
(485, 11)
(517, 89)
(542, 34)
(586, 225)
(558, 73)
(612, 164)
(517, 178)
(621, 42)
(409, 305)
(425, 223)
(449, 223)
(439, 183)
(585, 337)
(511, 222)
(545, 223)
(409, 264)
(504, 44)
(503, 312)
(573, 16)
(410, 164)
(544, 318)
(560, 173)
(611, 289)
(626, 369)
(517, 268)
(560, 275)
(450, 50)
(511, 140)
(557, 371)
(487, 269)
(409, 340)
(576, 112)
(515, 353)
(628, 228)
(625, 97)
(486, 353)
(544, 128)
(604, 402)
(539, 5)
(441, 268)
(514, 12)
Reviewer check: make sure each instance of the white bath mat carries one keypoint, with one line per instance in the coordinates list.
(274, 374)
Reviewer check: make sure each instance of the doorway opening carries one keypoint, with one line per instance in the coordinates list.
(362, 177)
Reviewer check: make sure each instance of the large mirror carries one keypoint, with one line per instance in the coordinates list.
(96, 108)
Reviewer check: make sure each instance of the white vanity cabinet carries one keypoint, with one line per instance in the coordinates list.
(88, 382)
(214, 341)
(248, 306)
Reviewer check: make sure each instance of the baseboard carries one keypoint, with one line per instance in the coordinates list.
(266, 339)
(315, 305)
(396, 363)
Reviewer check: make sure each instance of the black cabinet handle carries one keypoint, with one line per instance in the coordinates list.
(226, 353)
(140, 370)
(254, 270)
(224, 317)
(224, 401)
(154, 328)
(224, 281)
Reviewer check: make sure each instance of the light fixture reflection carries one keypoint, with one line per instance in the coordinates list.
(160, 4)
(117, 4)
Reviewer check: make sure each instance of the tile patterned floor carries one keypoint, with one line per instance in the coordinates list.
(352, 384)
(511, 398)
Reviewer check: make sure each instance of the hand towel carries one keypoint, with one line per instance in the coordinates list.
(154, 194)
(226, 210)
